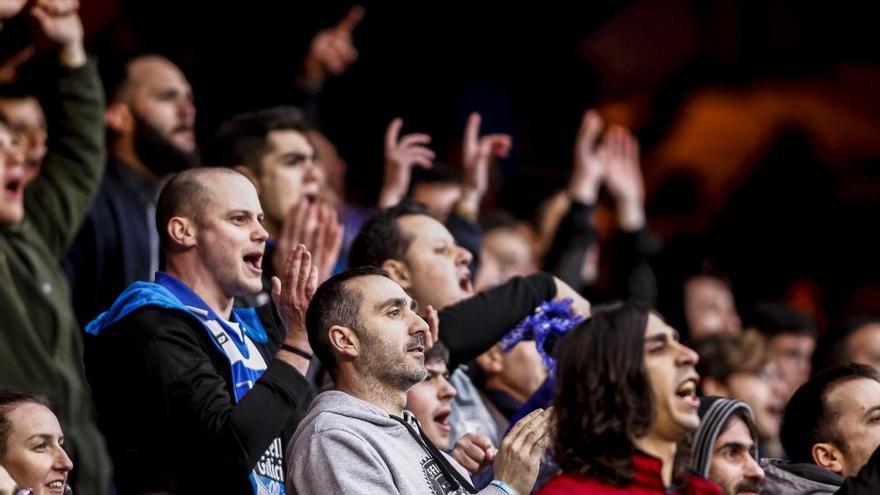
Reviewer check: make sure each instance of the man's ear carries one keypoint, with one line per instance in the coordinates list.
(182, 232)
(712, 386)
(490, 361)
(399, 273)
(118, 118)
(344, 341)
(247, 172)
(829, 457)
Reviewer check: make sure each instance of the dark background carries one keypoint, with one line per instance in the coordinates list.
(759, 120)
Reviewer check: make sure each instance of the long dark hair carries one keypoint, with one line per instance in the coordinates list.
(603, 395)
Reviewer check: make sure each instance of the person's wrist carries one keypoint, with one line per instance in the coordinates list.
(468, 206)
(504, 487)
(631, 215)
(584, 192)
(72, 55)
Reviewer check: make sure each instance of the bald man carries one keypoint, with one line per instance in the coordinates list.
(193, 395)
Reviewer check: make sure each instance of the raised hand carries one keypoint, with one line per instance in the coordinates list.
(586, 177)
(401, 155)
(623, 176)
(59, 23)
(11, 8)
(517, 461)
(293, 294)
(477, 155)
(315, 225)
(332, 51)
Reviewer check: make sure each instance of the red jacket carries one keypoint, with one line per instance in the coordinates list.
(647, 481)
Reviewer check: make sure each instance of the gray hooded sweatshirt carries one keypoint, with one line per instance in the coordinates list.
(347, 445)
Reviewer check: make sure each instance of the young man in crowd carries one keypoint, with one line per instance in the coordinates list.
(625, 402)
(271, 147)
(358, 438)
(831, 434)
(725, 446)
(193, 395)
(738, 367)
(40, 340)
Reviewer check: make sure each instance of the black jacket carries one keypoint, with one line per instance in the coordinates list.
(165, 403)
(472, 326)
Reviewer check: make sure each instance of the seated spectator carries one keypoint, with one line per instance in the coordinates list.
(738, 367)
(358, 438)
(176, 368)
(626, 400)
(725, 446)
(791, 340)
(40, 340)
(831, 434)
(32, 451)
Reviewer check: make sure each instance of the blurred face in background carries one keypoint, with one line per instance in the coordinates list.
(709, 307)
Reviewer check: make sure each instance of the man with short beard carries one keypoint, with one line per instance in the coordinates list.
(150, 116)
(725, 446)
(358, 437)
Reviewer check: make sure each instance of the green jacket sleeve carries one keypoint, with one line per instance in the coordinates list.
(57, 202)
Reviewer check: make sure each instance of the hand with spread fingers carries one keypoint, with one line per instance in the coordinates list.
(623, 177)
(401, 155)
(478, 152)
(586, 177)
(315, 225)
(519, 457)
(292, 294)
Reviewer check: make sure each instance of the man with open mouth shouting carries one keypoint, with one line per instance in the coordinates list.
(626, 401)
(195, 396)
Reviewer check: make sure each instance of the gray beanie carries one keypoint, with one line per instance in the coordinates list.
(714, 413)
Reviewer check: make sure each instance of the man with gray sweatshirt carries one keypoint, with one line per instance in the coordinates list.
(358, 438)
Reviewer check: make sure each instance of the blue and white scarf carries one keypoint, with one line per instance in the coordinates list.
(245, 361)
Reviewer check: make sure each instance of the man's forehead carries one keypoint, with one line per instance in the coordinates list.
(424, 227)
(150, 72)
(735, 431)
(231, 191)
(376, 289)
(282, 139)
(856, 396)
